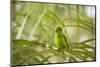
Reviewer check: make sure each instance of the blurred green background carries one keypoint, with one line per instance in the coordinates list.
(33, 32)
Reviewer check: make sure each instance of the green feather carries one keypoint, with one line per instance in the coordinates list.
(60, 39)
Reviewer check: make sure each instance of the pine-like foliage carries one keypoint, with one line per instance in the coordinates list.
(33, 29)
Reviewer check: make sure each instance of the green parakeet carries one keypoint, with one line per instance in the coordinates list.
(60, 39)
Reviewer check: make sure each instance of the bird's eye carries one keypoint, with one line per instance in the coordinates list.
(55, 30)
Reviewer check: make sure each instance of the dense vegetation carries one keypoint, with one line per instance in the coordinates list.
(33, 32)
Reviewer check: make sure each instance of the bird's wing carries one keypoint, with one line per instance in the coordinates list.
(66, 41)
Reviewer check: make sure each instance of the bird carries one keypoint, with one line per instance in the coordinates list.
(61, 42)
